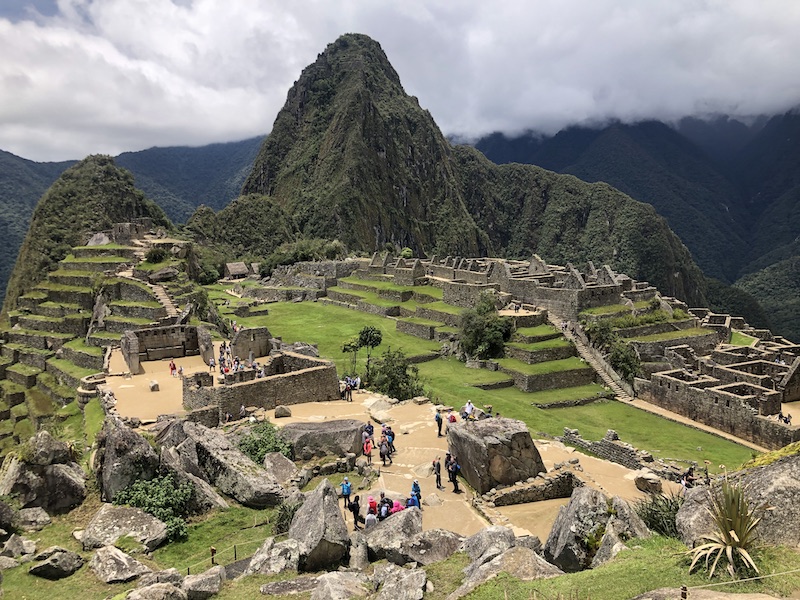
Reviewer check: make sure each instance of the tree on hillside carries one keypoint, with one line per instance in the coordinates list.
(369, 337)
(483, 331)
(395, 377)
(352, 346)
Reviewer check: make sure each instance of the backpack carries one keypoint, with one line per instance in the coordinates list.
(437, 417)
(452, 418)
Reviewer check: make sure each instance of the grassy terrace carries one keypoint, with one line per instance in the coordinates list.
(79, 346)
(740, 339)
(106, 258)
(551, 366)
(143, 303)
(611, 309)
(544, 329)
(428, 290)
(543, 345)
(28, 350)
(148, 266)
(421, 321)
(70, 368)
(671, 335)
(22, 369)
(370, 297)
(74, 273)
(60, 287)
(66, 306)
(444, 307)
(134, 320)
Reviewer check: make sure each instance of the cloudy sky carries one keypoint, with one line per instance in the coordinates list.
(104, 76)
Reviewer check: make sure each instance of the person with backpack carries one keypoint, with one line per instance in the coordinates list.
(368, 450)
(355, 508)
(346, 489)
(385, 510)
(438, 418)
(390, 440)
(384, 452)
(454, 469)
(416, 491)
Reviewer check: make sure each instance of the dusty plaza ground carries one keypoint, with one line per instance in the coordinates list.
(417, 445)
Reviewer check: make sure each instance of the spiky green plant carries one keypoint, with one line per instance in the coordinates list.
(736, 520)
(658, 513)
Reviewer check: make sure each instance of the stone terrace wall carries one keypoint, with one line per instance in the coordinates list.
(255, 340)
(718, 408)
(702, 344)
(559, 484)
(463, 294)
(304, 379)
(611, 448)
(554, 380)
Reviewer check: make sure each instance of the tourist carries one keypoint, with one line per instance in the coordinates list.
(688, 480)
(454, 469)
(438, 418)
(370, 429)
(355, 508)
(468, 409)
(384, 451)
(357, 382)
(384, 507)
(368, 450)
(372, 504)
(242, 412)
(371, 519)
(180, 371)
(437, 470)
(413, 502)
(390, 440)
(346, 488)
(397, 507)
(211, 364)
(416, 491)
(172, 368)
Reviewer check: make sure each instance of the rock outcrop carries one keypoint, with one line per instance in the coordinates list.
(112, 565)
(396, 583)
(519, 562)
(494, 452)
(56, 563)
(487, 544)
(340, 585)
(320, 530)
(158, 591)
(205, 584)
(210, 453)
(425, 548)
(204, 496)
(281, 468)
(272, 558)
(388, 535)
(336, 438)
(777, 485)
(47, 477)
(113, 522)
(123, 456)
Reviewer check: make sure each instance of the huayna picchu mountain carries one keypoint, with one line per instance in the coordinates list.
(351, 156)
(88, 197)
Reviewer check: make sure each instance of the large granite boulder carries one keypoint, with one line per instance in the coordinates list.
(298, 585)
(113, 522)
(204, 496)
(17, 546)
(46, 477)
(425, 548)
(272, 558)
(359, 552)
(56, 563)
(171, 576)
(623, 525)
(282, 469)
(388, 535)
(777, 485)
(157, 591)
(340, 585)
(494, 452)
(320, 530)
(519, 562)
(336, 438)
(396, 583)
(493, 540)
(647, 481)
(33, 519)
(205, 584)
(123, 456)
(112, 565)
(8, 516)
(226, 467)
(583, 519)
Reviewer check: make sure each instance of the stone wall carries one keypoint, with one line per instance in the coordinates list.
(420, 330)
(252, 342)
(543, 355)
(612, 449)
(464, 294)
(721, 406)
(299, 379)
(549, 381)
(439, 316)
(550, 486)
(702, 344)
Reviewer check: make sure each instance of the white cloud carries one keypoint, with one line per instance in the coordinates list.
(115, 75)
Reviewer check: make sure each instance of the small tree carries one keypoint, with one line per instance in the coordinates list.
(261, 440)
(624, 359)
(406, 253)
(484, 332)
(369, 337)
(396, 377)
(352, 346)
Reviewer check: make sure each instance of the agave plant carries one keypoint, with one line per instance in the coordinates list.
(736, 520)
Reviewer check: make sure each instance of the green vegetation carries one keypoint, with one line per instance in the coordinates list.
(551, 366)
(93, 417)
(262, 439)
(658, 513)
(777, 288)
(426, 290)
(79, 346)
(370, 337)
(163, 498)
(283, 516)
(482, 331)
(70, 368)
(396, 377)
(671, 335)
(734, 538)
(741, 339)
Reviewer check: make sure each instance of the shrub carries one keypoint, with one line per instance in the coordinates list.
(284, 516)
(483, 333)
(406, 253)
(658, 513)
(261, 440)
(624, 360)
(734, 538)
(395, 377)
(162, 498)
(156, 254)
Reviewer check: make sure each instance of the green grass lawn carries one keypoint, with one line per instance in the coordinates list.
(428, 290)
(70, 368)
(741, 339)
(539, 330)
(79, 346)
(543, 345)
(421, 321)
(610, 309)
(370, 297)
(672, 335)
(550, 366)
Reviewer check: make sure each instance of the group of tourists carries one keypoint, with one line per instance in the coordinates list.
(787, 419)
(381, 508)
(385, 444)
(347, 386)
(175, 371)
